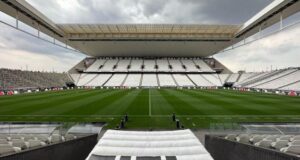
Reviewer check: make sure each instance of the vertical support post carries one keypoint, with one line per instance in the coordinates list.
(53, 38)
(38, 30)
(281, 21)
(66, 43)
(17, 20)
(259, 32)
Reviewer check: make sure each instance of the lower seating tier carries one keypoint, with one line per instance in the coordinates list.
(148, 80)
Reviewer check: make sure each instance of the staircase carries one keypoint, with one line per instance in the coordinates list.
(157, 79)
(174, 80)
(288, 84)
(191, 80)
(275, 78)
(141, 80)
(262, 77)
(207, 80)
(124, 80)
(108, 79)
(92, 79)
(239, 77)
(227, 78)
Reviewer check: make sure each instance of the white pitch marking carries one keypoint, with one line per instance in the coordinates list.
(149, 104)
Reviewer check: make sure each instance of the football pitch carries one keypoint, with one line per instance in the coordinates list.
(151, 108)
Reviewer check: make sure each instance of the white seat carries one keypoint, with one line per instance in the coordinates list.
(69, 137)
(8, 149)
(55, 138)
(3, 141)
(264, 143)
(279, 144)
(41, 137)
(35, 143)
(20, 143)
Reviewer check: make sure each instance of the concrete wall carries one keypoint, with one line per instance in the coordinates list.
(77, 149)
(222, 149)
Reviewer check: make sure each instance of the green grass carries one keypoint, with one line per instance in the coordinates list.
(151, 108)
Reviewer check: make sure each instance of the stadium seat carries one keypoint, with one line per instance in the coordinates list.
(151, 145)
(292, 149)
(171, 158)
(166, 80)
(264, 143)
(97, 157)
(295, 138)
(133, 80)
(257, 138)
(231, 137)
(243, 138)
(279, 144)
(20, 143)
(125, 158)
(41, 137)
(69, 137)
(148, 158)
(15, 136)
(3, 141)
(285, 137)
(27, 137)
(4, 136)
(294, 143)
(271, 138)
(8, 149)
(35, 143)
(55, 138)
(182, 80)
(149, 80)
(194, 157)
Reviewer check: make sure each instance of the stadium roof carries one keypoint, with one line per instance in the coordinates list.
(150, 39)
(158, 31)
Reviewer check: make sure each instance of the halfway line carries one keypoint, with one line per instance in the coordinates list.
(149, 103)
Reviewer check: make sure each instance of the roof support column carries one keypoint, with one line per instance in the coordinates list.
(259, 32)
(281, 21)
(53, 38)
(17, 19)
(38, 28)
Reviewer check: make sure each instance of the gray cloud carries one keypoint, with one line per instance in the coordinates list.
(150, 11)
(18, 49)
(281, 50)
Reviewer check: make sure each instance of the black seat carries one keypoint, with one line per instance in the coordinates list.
(148, 158)
(97, 157)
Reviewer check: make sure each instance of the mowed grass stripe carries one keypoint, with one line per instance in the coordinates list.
(207, 103)
(234, 106)
(41, 103)
(139, 105)
(159, 104)
(96, 104)
(119, 106)
(263, 96)
(61, 106)
(35, 96)
(271, 104)
(284, 102)
(193, 107)
(179, 105)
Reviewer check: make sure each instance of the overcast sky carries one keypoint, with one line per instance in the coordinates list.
(18, 50)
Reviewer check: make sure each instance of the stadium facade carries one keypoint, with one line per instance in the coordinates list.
(160, 55)
(155, 56)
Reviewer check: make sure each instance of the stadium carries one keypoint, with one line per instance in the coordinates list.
(149, 92)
